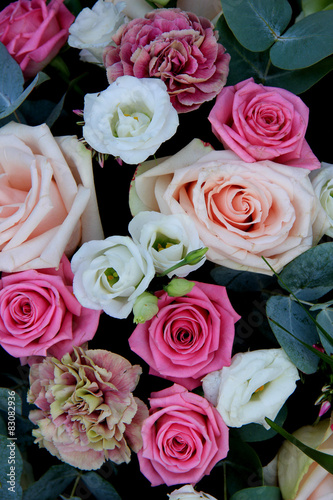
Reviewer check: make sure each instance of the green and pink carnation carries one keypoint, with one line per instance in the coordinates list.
(86, 412)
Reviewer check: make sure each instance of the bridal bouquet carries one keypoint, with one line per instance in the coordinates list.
(166, 258)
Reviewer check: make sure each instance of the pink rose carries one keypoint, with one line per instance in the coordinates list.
(176, 46)
(34, 31)
(87, 413)
(263, 123)
(242, 211)
(39, 314)
(183, 438)
(189, 337)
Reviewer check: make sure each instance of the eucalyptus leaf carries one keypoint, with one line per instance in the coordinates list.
(311, 6)
(298, 80)
(244, 63)
(310, 275)
(11, 466)
(241, 281)
(52, 483)
(99, 487)
(257, 24)
(11, 79)
(325, 319)
(323, 459)
(293, 318)
(305, 43)
(258, 493)
(7, 400)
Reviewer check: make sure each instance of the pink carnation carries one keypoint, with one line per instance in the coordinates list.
(189, 337)
(39, 314)
(176, 46)
(183, 438)
(87, 413)
(34, 32)
(263, 123)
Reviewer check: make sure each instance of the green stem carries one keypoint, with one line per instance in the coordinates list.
(75, 484)
(225, 493)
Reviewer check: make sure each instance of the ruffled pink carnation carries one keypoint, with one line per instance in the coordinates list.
(39, 314)
(176, 46)
(87, 412)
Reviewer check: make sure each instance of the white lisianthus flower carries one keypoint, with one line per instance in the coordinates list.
(254, 386)
(110, 274)
(168, 239)
(187, 492)
(322, 182)
(130, 119)
(93, 29)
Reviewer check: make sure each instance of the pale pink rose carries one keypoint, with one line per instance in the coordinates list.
(48, 201)
(39, 315)
(189, 337)
(242, 211)
(34, 31)
(183, 438)
(299, 477)
(176, 46)
(87, 412)
(263, 123)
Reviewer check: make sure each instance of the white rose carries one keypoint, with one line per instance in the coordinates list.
(93, 29)
(111, 274)
(322, 182)
(130, 119)
(187, 492)
(254, 386)
(168, 239)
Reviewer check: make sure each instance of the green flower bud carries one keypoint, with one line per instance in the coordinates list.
(145, 307)
(178, 287)
(195, 256)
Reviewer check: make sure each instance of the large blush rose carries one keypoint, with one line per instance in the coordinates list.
(299, 477)
(39, 315)
(87, 413)
(189, 337)
(263, 123)
(34, 31)
(183, 438)
(48, 201)
(176, 46)
(242, 211)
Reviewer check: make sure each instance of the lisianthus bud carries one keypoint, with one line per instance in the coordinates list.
(178, 287)
(195, 256)
(145, 307)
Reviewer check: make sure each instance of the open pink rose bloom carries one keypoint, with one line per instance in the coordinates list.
(189, 337)
(176, 46)
(34, 31)
(39, 314)
(87, 413)
(183, 438)
(263, 123)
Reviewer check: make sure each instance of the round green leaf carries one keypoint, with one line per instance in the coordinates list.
(252, 433)
(289, 315)
(310, 275)
(257, 24)
(305, 43)
(325, 319)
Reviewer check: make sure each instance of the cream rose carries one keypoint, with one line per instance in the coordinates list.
(242, 211)
(168, 239)
(111, 274)
(322, 182)
(48, 201)
(254, 386)
(130, 119)
(299, 477)
(187, 492)
(93, 28)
